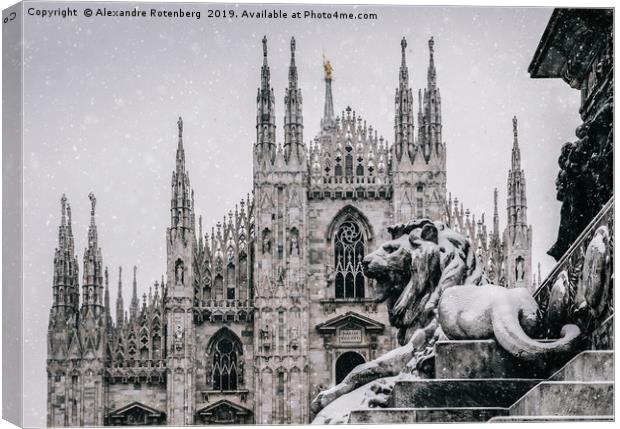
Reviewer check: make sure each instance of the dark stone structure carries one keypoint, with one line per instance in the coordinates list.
(577, 46)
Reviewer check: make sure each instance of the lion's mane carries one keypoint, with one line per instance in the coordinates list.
(439, 258)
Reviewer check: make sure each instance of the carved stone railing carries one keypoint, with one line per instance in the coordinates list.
(139, 363)
(331, 305)
(137, 371)
(219, 310)
(580, 288)
(227, 303)
(351, 188)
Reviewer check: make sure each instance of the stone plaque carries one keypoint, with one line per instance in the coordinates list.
(350, 336)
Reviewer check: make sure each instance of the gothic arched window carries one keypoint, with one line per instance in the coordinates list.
(225, 355)
(219, 287)
(349, 253)
(348, 165)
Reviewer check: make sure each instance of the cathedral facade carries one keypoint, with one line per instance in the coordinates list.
(256, 317)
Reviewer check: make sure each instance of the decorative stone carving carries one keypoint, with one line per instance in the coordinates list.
(410, 272)
(557, 312)
(179, 336)
(179, 271)
(593, 289)
(585, 181)
(586, 272)
(429, 278)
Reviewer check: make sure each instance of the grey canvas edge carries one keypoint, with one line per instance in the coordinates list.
(12, 210)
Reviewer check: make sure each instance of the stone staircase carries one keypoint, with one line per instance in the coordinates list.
(478, 381)
(583, 389)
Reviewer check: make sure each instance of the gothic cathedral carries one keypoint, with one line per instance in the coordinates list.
(256, 317)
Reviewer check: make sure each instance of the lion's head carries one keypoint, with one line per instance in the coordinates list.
(412, 270)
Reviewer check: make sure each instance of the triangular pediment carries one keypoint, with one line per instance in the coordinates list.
(350, 319)
(136, 406)
(223, 404)
(266, 202)
(75, 349)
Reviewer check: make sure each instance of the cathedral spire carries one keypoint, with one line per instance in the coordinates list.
(106, 297)
(430, 137)
(63, 211)
(181, 214)
(328, 120)
(517, 234)
(432, 73)
(92, 230)
(133, 309)
(292, 70)
(265, 72)
(404, 141)
(119, 298)
(517, 202)
(65, 282)
(92, 282)
(265, 117)
(495, 214)
(293, 118)
(404, 71)
(516, 152)
(180, 158)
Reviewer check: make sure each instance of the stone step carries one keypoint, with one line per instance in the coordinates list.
(591, 365)
(551, 419)
(566, 398)
(485, 393)
(424, 415)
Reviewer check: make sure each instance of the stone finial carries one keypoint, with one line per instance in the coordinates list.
(403, 44)
(264, 46)
(180, 125)
(293, 46)
(431, 45)
(514, 126)
(63, 209)
(93, 201)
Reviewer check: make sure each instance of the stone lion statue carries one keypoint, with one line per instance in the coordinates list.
(428, 277)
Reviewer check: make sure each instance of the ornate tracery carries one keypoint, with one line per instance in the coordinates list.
(225, 355)
(349, 253)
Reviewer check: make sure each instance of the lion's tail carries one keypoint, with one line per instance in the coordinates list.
(514, 340)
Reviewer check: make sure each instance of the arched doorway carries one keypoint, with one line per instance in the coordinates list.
(345, 364)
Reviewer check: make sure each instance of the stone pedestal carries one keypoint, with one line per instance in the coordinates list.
(490, 392)
(480, 359)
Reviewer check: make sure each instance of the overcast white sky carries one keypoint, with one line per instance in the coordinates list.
(102, 97)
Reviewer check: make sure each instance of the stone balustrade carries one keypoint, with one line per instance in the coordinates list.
(137, 371)
(140, 363)
(219, 310)
(227, 303)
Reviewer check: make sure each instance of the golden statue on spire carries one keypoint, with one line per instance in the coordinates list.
(327, 66)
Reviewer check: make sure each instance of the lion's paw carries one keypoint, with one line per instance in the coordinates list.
(319, 402)
(380, 394)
